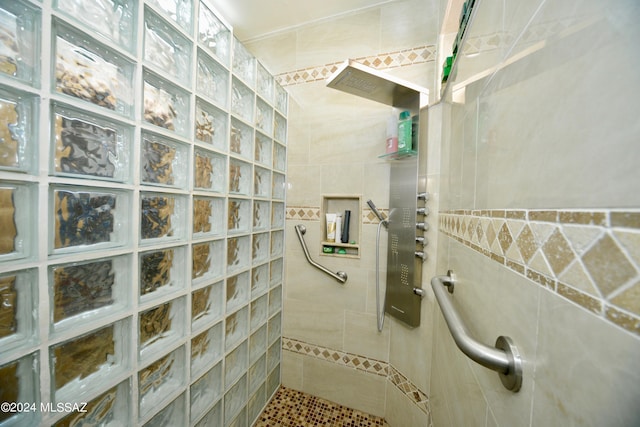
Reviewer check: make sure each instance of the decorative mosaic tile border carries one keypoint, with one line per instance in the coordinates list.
(400, 58)
(371, 366)
(410, 390)
(589, 257)
(305, 213)
(533, 34)
(350, 360)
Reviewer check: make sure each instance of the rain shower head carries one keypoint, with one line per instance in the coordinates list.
(360, 80)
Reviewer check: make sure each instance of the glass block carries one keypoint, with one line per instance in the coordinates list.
(87, 290)
(18, 205)
(273, 355)
(208, 216)
(235, 399)
(273, 381)
(240, 420)
(260, 248)
(236, 328)
(113, 19)
(264, 116)
(239, 216)
(261, 182)
(244, 64)
(279, 157)
(160, 379)
(166, 105)
(262, 152)
(242, 99)
(260, 215)
(256, 402)
(88, 146)
(212, 79)
(210, 171)
(163, 161)
(238, 253)
(206, 348)
(18, 309)
(206, 305)
(275, 300)
(20, 41)
(276, 272)
(83, 363)
(110, 408)
(20, 384)
(161, 326)
(211, 125)
(166, 49)
(277, 243)
(172, 415)
(213, 34)
(84, 69)
(240, 177)
(179, 11)
(258, 343)
(238, 290)
(259, 280)
(213, 417)
(275, 328)
(208, 261)
(241, 139)
(235, 364)
(162, 272)
(277, 215)
(88, 218)
(162, 217)
(259, 312)
(257, 373)
(18, 130)
(264, 83)
(205, 391)
(282, 99)
(280, 128)
(277, 191)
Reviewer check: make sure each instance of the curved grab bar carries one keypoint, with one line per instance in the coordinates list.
(504, 358)
(340, 276)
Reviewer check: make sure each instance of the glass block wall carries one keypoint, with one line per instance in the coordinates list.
(142, 171)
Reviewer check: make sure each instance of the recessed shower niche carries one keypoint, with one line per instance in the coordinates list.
(142, 214)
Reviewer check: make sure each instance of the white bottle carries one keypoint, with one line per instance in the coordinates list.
(338, 227)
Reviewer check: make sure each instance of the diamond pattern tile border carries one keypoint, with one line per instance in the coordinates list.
(401, 58)
(372, 366)
(591, 258)
(306, 213)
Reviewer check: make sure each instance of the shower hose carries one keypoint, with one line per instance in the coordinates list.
(379, 308)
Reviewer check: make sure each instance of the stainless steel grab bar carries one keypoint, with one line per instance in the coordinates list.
(340, 276)
(504, 358)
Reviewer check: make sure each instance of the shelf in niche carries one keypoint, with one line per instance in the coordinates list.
(399, 155)
(338, 204)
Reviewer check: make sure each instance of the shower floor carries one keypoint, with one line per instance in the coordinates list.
(291, 408)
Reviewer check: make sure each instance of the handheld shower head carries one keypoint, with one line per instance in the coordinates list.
(377, 213)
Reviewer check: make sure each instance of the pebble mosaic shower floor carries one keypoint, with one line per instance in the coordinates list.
(291, 408)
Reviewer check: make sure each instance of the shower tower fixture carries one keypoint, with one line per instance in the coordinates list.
(406, 240)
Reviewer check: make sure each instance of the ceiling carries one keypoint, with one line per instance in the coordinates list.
(252, 19)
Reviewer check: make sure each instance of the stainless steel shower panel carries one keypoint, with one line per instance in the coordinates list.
(404, 267)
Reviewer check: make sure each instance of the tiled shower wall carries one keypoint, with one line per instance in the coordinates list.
(331, 345)
(539, 214)
(142, 170)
